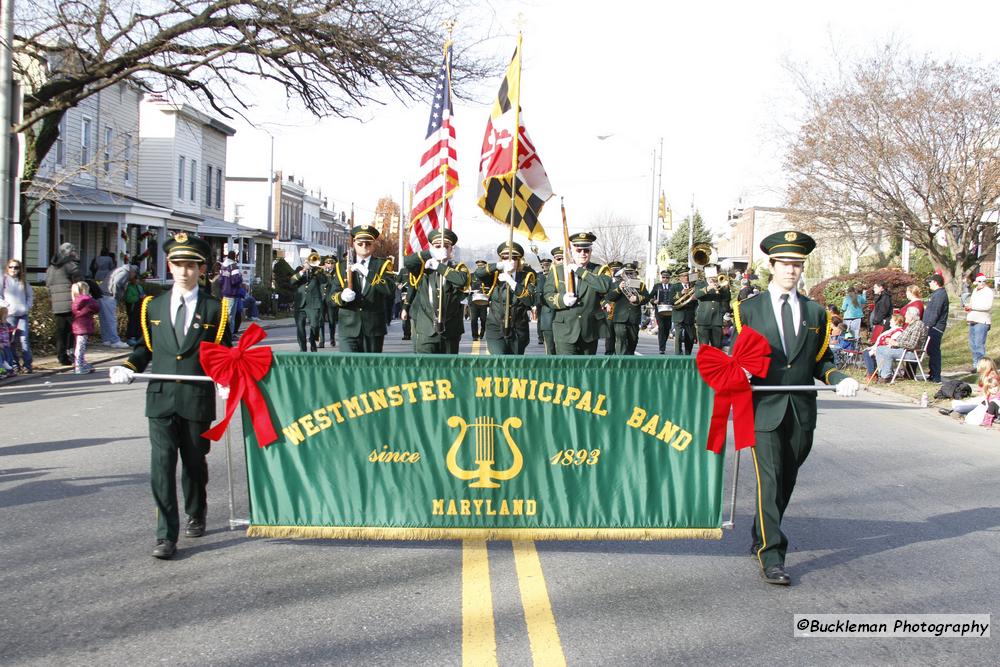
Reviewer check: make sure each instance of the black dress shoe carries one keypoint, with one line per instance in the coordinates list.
(164, 549)
(776, 575)
(195, 527)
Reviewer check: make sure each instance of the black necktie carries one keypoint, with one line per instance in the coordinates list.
(179, 323)
(787, 325)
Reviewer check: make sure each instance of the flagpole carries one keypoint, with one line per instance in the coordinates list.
(513, 182)
(402, 226)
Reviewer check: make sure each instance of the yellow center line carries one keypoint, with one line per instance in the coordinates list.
(479, 643)
(546, 649)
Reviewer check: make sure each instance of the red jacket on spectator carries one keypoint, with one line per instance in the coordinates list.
(84, 308)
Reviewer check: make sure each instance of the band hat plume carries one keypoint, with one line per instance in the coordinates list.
(583, 239)
(364, 233)
(788, 246)
(184, 247)
(514, 249)
(445, 235)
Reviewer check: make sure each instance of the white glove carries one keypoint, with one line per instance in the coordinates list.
(847, 387)
(507, 278)
(223, 392)
(347, 295)
(619, 272)
(440, 254)
(122, 375)
(360, 268)
(569, 300)
(432, 264)
(506, 265)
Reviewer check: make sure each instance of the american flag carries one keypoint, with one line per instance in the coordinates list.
(439, 178)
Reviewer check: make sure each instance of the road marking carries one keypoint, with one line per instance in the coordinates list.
(475, 348)
(546, 649)
(479, 643)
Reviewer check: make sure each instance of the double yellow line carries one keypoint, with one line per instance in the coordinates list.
(479, 643)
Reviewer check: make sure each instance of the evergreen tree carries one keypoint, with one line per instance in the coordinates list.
(677, 245)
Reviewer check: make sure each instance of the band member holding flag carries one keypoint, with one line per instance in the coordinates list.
(579, 321)
(798, 330)
(363, 288)
(511, 289)
(438, 287)
(173, 325)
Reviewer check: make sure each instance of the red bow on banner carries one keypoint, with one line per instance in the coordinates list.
(240, 368)
(725, 375)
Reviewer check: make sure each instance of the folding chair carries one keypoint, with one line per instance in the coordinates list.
(912, 357)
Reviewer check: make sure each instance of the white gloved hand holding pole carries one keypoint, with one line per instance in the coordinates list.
(569, 300)
(360, 268)
(432, 264)
(121, 375)
(507, 278)
(222, 392)
(347, 295)
(847, 387)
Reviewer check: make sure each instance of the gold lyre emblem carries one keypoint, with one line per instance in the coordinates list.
(485, 430)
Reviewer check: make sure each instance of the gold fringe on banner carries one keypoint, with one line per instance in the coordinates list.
(513, 534)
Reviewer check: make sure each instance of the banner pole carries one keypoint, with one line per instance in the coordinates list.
(732, 502)
(229, 476)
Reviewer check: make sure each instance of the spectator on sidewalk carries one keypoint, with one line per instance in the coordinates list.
(16, 292)
(976, 409)
(102, 265)
(977, 309)
(100, 291)
(62, 274)
(230, 280)
(936, 319)
(6, 336)
(911, 340)
(882, 309)
(898, 323)
(853, 310)
(84, 308)
(914, 296)
(134, 292)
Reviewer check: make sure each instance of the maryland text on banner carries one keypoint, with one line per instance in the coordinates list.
(444, 447)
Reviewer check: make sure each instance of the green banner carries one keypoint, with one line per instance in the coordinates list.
(452, 447)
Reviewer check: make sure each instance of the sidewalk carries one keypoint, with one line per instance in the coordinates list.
(99, 354)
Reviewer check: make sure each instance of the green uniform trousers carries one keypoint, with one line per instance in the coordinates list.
(550, 343)
(170, 437)
(513, 344)
(577, 348)
(776, 458)
(361, 343)
(710, 335)
(683, 337)
(435, 344)
(626, 338)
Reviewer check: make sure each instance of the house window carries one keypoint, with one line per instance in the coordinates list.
(194, 179)
(85, 141)
(180, 177)
(108, 136)
(208, 187)
(127, 157)
(218, 188)
(60, 144)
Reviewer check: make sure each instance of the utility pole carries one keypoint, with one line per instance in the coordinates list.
(691, 235)
(7, 190)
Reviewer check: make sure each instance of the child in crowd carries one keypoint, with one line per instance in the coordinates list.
(6, 355)
(983, 410)
(84, 308)
(134, 294)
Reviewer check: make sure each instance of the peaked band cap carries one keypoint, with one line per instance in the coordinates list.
(631, 266)
(557, 252)
(582, 239)
(481, 261)
(449, 237)
(515, 249)
(185, 247)
(788, 245)
(364, 232)
(615, 264)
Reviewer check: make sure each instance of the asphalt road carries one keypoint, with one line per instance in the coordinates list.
(897, 511)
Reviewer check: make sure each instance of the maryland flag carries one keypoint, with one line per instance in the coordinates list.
(497, 170)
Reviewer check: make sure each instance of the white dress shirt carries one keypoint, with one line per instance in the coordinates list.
(190, 301)
(775, 293)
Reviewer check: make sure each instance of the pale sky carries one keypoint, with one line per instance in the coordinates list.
(708, 78)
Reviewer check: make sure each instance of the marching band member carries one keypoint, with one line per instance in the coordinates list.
(545, 313)
(362, 292)
(511, 289)
(713, 304)
(173, 326)
(438, 287)
(798, 330)
(609, 308)
(579, 321)
(684, 312)
(479, 304)
(662, 299)
(627, 315)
